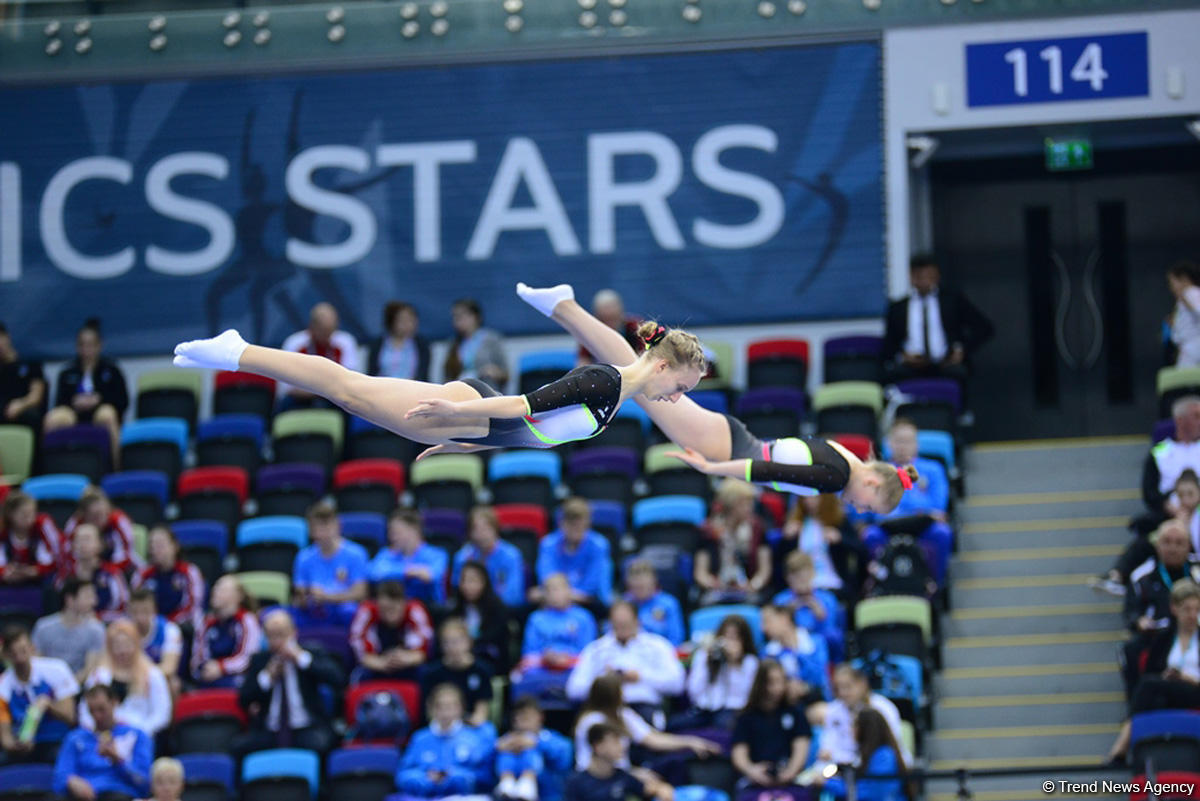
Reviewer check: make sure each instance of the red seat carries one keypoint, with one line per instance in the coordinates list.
(209, 704)
(1168, 777)
(776, 504)
(409, 692)
(225, 379)
(858, 444)
(215, 479)
(778, 349)
(524, 516)
(370, 471)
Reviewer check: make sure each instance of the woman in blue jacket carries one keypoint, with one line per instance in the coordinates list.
(879, 756)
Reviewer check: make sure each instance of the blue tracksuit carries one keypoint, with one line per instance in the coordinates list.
(463, 754)
(832, 628)
(588, 568)
(504, 565)
(338, 573)
(551, 759)
(931, 493)
(812, 667)
(883, 762)
(80, 757)
(564, 631)
(389, 564)
(660, 614)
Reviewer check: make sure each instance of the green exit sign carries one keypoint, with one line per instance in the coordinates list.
(1068, 154)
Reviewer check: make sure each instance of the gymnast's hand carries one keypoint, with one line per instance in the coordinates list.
(693, 458)
(433, 407)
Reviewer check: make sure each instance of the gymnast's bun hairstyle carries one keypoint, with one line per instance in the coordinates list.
(677, 347)
(894, 481)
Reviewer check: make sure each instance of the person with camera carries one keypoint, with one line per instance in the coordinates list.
(722, 672)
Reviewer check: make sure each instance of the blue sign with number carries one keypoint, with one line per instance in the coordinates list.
(1052, 70)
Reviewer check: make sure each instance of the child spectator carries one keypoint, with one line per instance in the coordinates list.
(74, 634)
(555, 635)
(476, 603)
(144, 700)
(29, 541)
(531, 761)
(459, 667)
(658, 612)
(166, 780)
(721, 676)
(503, 559)
(329, 577)
(115, 527)
(733, 564)
(391, 636)
(86, 562)
(39, 694)
(409, 559)
(579, 553)
(447, 757)
(177, 585)
(816, 611)
(771, 737)
(880, 756)
(229, 636)
(162, 640)
(803, 656)
(603, 779)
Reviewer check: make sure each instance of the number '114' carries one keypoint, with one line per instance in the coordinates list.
(1089, 68)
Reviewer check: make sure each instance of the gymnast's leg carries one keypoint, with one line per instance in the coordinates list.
(686, 423)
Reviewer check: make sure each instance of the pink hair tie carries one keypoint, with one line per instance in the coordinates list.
(656, 337)
(905, 479)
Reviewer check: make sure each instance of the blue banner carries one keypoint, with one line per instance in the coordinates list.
(723, 187)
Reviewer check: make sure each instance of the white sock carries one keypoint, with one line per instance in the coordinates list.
(526, 788)
(218, 353)
(506, 787)
(544, 300)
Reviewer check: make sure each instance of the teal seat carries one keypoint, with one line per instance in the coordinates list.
(283, 763)
(707, 619)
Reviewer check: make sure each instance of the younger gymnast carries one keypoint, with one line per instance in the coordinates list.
(719, 444)
(468, 414)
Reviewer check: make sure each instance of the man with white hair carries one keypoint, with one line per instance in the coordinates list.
(321, 338)
(610, 310)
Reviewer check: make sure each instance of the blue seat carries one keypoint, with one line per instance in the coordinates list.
(271, 529)
(694, 792)
(561, 360)
(370, 759)
(937, 444)
(364, 527)
(233, 426)
(515, 464)
(27, 779)
(635, 412)
(283, 763)
(156, 429)
(212, 768)
(202, 534)
(56, 487)
(608, 514)
(708, 618)
(1163, 725)
(712, 400)
(136, 482)
(669, 509)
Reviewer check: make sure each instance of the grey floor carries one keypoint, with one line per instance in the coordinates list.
(1030, 675)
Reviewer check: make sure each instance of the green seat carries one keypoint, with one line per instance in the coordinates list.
(16, 452)
(171, 378)
(496, 707)
(267, 585)
(1170, 378)
(849, 393)
(657, 460)
(449, 467)
(895, 609)
(328, 422)
(139, 540)
(723, 352)
(908, 737)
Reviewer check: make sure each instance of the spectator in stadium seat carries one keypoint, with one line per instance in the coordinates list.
(458, 666)
(448, 757)
(177, 585)
(881, 756)
(162, 641)
(531, 761)
(229, 636)
(476, 604)
(321, 338)
(579, 553)
(73, 635)
(144, 697)
(646, 663)
(401, 352)
(503, 559)
(854, 694)
(391, 636)
(41, 686)
(603, 779)
(733, 564)
(22, 386)
(110, 762)
(1183, 279)
(29, 541)
(609, 308)
(555, 636)
(408, 558)
(722, 672)
(115, 527)
(933, 331)
(281, 693)
(1147, 606)
(816, 611)
(329, 577)
(166, 780)
(1171, 679)
(84, 560)
(817, 525)
(476, 352)
(658, 612)
(804, 656)
(771, 737)
(91, 389)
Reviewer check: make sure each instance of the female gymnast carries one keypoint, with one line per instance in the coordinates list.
(469, 415)
(721, 445)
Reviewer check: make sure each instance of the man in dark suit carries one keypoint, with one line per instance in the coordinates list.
(932, 331)
(280, 693)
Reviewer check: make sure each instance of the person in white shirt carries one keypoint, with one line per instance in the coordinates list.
(1183, 279)
(321, 338)
(837, 728)
(38, 685)
(145, 696)
(722, 674)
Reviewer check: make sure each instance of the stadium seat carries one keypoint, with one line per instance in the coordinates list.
(628, 429)
(708, 618)
(1177, 778)
(937, 445)
(1163, 429)
(666, 475)
(711, 399)
(931, 403)
(858, 444)
(368, 529)
(368, 441)
(1169, 738)
(773, 412)
(362, 774)
(83, 450)
(281, 774)
(895, 624)
(57, 495)
(852, 358)
(204, 718)
(27, 783)
(524, 476)
(213, 493)
(368, 485)
(720, 367)
(445, 529)
(1172, 383)
(777, 363)
(671, 564)
(243, 393)
(715, 777)
(155, 443)
(207, 777)
(849, 407)
(270, 543)
(20, 605)
(288, 489)
(330, 639)
(308, 435)
(231, 440)
(270, 589)
(169, 393)
(16, 452)
(141, 494)
(524, 525)
(538, 368)
(603, 474)
(669, 520)
(408, 691)
(447, 481)
(204, 543)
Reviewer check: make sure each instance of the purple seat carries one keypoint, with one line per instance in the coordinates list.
(444, 522)
(768, 399)
(21, 600)
(83, 449)
(603, 460)
(933, 390)
(853, 346)
(332, 638)
(1163, 429)
(298, 475)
